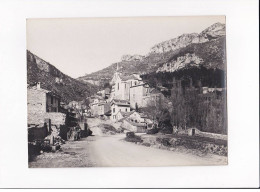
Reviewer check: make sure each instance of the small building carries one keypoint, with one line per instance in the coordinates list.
(103, 107)
(43, 105)
(137, 92)
(99, 107)
(119, 105)
(139, 118)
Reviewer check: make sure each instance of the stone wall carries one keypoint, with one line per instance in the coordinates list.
(36, 106)
(56, 118)
(214, 135)
(203, 134)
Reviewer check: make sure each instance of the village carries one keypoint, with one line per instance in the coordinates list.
(127, 113)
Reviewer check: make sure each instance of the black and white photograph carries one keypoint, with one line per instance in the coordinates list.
(122, 94)
(127, 92)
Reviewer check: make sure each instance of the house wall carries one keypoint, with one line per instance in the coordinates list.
(119, 116)
(136, 96)
(115, 109)
(94, 110)
(56, 118)
(37, 102)
(36, 106)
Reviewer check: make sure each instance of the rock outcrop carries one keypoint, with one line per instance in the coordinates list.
(188, 60)
(132, 57)
(214, 31)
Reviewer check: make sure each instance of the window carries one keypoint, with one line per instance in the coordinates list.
(125, 86)
(118, 86)
(126, 109)
(114, 110)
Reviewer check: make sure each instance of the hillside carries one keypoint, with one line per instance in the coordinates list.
(205, 49)
(54, 80)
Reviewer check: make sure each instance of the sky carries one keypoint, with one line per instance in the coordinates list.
(79, 46)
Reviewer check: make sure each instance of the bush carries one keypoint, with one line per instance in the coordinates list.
(152, 131)
(86, 133)
(166, 130)
(146, 144)
(163, 141)
(131, 137)
(130, 134)
(134, 139)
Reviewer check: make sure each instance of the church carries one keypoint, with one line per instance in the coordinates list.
(130, 88)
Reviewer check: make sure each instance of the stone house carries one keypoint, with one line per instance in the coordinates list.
(103, 107)
(43, 106)
(99, 107)
(137, 92)
(119, 105)
(139, 118)
(132, 126)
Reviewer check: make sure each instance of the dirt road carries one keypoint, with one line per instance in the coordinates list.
(111, 150)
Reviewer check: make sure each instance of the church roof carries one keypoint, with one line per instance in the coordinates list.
(129, 77)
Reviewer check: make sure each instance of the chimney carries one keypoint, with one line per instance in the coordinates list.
(38, 85)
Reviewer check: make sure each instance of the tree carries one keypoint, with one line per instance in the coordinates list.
(157, 110)
(178, 111)
(136, 107)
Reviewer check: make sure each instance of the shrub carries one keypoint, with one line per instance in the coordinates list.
(147, 144)
(152, 131)
(134, 139)
(130, 134)
(166, 130)
(163, 141)
(131, 137)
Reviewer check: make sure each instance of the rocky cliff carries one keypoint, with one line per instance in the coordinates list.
(187, 60)
(214, 31)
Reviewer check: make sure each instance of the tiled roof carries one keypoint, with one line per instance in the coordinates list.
(120, 102)
(126, 114)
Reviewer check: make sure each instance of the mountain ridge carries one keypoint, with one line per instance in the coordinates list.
(51, 78)
(208, 47)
